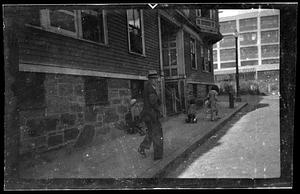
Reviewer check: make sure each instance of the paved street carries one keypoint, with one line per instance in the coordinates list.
(248, 146)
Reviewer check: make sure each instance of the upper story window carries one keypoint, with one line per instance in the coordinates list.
(269, 36)
(208, 64)
(248, 38)
(135, 31)
(83, 24)
(269, 22)
(193, 53)
(228, 26)
(227, 41)
(205, 13)
(248, 24)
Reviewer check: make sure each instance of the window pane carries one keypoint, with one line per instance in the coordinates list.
(135, 33)
(173, 54)
(228, 65)
(92, 27)
(269, 36)
(270, 61)
(248, 24)
(215, 57)
(165, 57)
(205, 13)
(248, 38)
(215, 66)
(174, 72)
(227, 54)
(63, 20)
(227, 41)
(249, 63)
(270, 51)
(227, 27)
(269, 22)
(249, 52)
(167, 72)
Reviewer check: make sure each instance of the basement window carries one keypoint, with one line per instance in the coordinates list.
(29, 90)
(96, 91)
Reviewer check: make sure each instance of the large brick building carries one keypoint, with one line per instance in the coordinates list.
(74, 68)
(258, 48)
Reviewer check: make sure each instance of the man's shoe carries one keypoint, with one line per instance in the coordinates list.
(142, 152)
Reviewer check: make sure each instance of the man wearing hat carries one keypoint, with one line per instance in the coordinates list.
(151, 115)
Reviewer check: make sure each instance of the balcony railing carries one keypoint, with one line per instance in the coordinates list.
(208, 25)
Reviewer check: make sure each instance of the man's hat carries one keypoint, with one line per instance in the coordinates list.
(152, 74)
(132, 102)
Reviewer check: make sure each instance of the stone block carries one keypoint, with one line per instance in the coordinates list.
(70, 134)
(51, 90)
(65, 90)
(55, 140)
(116, 101)
(68, 119)
(110, 115)
(122, 109)
(74, 107)
(51, 123)
(113, 94)
(118, 83)
(78, 90)
(102, 130)
(35, 127)
(80, 117)
(86, 136)
(124, 93)
(90, 114)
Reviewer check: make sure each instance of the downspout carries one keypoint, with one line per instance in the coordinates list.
(162, 81)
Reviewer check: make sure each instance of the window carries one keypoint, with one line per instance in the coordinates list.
(248, 38)
(195, 90)
(249, 63)
(137, 87)
(193, 53)
(202, 57)
(215, 66)
(227, 54)
(269, 36)
(228, 26)
(227, 41)
(208, 64)
(29, 89)
(96, 90)
(84, 24)
(270, 51)
(92, 25)
(228, 65)
(270, 61)
(248, 24)
(215, 55)
(249, 53)
(269, 22)
(135, 31)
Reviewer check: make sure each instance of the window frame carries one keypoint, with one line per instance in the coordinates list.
(195, 51)
(142, 32)
(45, 24)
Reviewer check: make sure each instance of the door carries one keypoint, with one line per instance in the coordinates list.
(173, 101)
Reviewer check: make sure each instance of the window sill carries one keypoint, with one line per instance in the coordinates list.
(74, 37)
(137, 54)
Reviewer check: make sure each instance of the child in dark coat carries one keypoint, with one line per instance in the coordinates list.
(191, 114)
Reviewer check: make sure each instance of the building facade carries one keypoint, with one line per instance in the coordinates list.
(258, 49)
(77, 67)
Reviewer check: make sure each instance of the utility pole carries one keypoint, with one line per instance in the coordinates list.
(238, 98)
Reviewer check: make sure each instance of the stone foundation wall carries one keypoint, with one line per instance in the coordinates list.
(65, 113)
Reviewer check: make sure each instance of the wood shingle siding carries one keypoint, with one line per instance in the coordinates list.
(42, 47)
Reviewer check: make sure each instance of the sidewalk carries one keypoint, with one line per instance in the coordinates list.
(119, 158)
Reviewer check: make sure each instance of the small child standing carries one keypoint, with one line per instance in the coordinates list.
(191, 113)
(212, 102)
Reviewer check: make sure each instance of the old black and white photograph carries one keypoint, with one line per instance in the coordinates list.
(131, 96)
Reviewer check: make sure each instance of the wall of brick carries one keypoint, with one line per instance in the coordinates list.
(65, 113)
